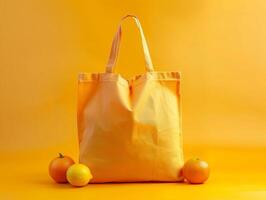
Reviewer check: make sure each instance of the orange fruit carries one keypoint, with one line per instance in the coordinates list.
(196, 171)
(58, 168)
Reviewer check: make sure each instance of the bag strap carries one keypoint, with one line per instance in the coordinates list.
(116, 44)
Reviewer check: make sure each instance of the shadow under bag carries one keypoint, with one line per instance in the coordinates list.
(130, 130)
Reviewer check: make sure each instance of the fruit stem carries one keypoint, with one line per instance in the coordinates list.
(61, 155)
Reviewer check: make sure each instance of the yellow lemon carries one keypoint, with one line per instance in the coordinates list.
(78, 175)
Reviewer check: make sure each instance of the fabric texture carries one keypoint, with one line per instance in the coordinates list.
(130, 130)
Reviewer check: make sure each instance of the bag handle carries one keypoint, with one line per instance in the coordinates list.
(116, 44)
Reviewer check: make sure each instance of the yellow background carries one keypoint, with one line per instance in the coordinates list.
(218, 45)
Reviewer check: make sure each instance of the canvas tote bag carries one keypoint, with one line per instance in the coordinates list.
(129, 130)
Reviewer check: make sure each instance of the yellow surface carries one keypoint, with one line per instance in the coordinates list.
(219, 47)
(233, 176)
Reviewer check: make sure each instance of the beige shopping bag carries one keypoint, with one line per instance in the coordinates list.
(129, 130)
